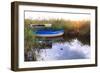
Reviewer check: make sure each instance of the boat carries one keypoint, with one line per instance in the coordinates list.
(49, 33)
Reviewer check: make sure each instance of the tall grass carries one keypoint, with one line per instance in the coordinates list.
(81, 29)
(83, 26)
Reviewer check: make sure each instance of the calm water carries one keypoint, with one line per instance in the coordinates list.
(64, 50)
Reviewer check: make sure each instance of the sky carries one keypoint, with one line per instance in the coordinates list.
(53, 15)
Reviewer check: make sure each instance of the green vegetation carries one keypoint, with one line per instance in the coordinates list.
(79, 29)
(71, 28)
(82, 27)
(28, 38)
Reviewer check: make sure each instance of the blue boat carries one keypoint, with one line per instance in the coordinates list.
(49, 32)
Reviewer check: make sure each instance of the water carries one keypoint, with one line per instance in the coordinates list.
(64, 51)
(59, 48)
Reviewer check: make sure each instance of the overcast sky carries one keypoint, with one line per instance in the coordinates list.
(51, 15)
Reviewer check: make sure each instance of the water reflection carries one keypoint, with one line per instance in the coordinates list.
(59, 49)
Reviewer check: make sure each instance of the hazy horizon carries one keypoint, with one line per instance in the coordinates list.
(48, 15)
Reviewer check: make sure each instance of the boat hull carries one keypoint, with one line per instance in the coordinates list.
(49, 33)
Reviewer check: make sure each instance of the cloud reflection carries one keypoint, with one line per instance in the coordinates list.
(64, 51)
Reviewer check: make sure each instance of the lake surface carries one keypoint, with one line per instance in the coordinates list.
(60, 49)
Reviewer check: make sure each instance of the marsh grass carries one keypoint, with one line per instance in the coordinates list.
(72, 29)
